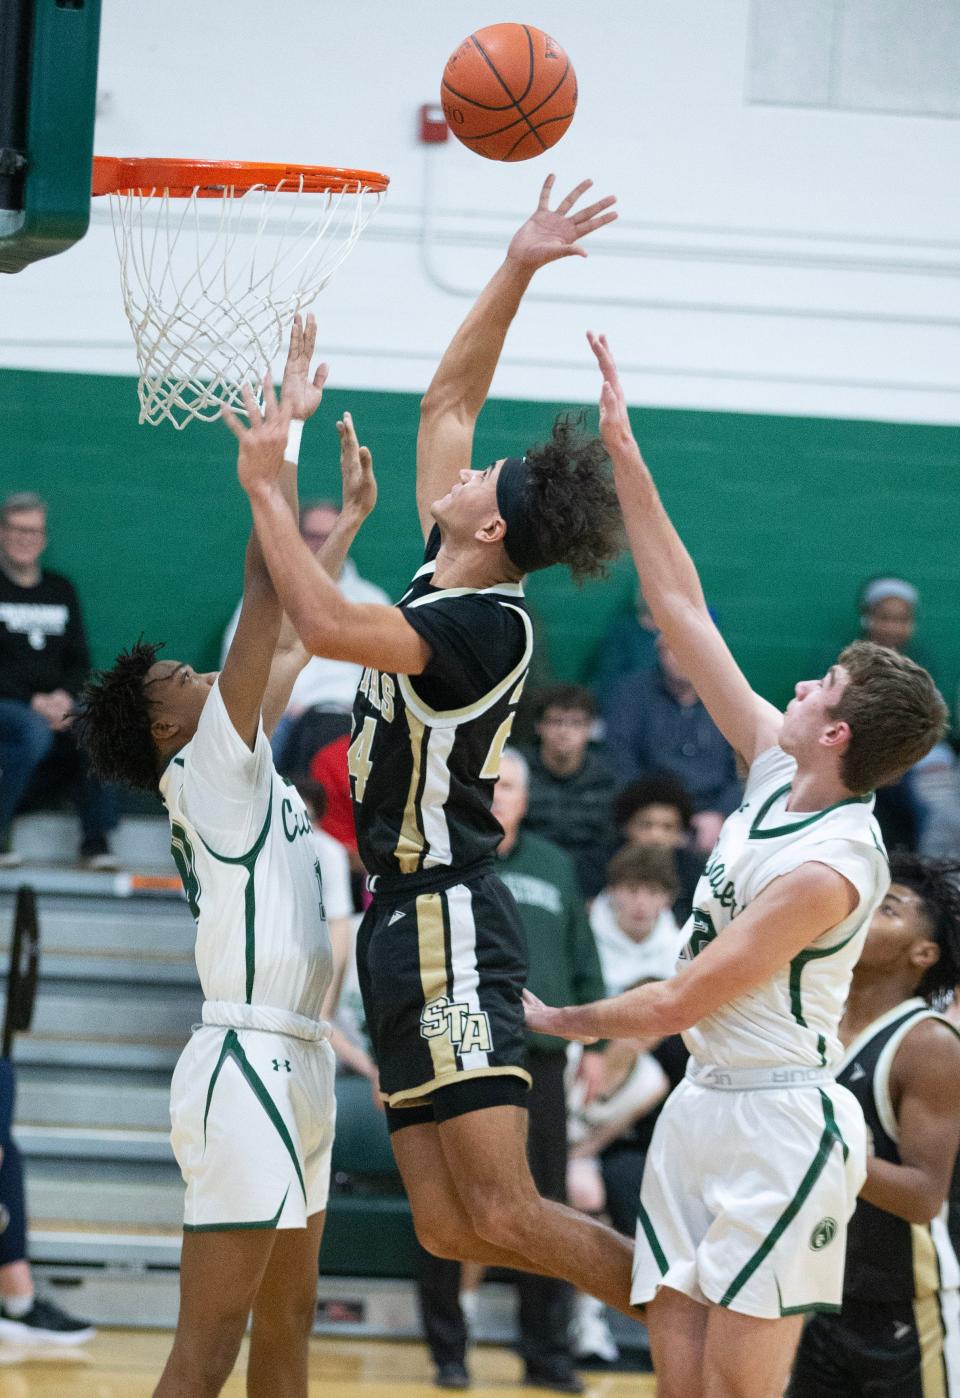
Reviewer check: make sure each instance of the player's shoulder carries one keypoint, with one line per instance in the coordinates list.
(928, 1056)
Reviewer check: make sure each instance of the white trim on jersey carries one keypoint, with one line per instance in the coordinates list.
(436, 789)
(449, 718)
(881, 1074)
(874, 1028)
(463, 963)
(950, 1316)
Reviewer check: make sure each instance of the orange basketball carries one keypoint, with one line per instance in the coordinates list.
(509, 92)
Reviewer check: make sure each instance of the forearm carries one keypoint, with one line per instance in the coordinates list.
(668, 578)
(649, 1012)
(333, 553)
(305, 590)
(464, 374)
(903, 1190)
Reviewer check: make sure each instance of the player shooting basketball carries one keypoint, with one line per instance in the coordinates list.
(441, 953)
(252, 1102)
(757, 1158)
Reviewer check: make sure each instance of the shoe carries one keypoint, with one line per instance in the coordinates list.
(10, 859)
(590, 1337)
(559, 1377)
(95, 855)
(452, 1375)
(45, 1323)
(470, 1308)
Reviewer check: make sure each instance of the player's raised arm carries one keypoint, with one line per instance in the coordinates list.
(459, 388)
(359, 496)
(671, 584)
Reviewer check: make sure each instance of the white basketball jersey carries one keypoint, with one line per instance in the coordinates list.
(793, 1018)
(241, 839)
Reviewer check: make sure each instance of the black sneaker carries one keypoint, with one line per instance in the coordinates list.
(45, 1323)
(558, 1377)
(95, 855)
(453, 1375)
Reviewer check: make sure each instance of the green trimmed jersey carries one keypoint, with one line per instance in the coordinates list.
(241, 838)
(791, 1019)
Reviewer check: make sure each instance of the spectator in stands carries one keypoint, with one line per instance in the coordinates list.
(571, 787)
(43, 663)
(323, 684)
(561, 954)
(25, 1318)
(655, 720)
(629, 645)
(654, 812)
(636, 934)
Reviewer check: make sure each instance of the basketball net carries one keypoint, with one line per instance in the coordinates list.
(210, 285)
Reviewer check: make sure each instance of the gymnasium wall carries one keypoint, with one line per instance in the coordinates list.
(785, 516)
(782, 289)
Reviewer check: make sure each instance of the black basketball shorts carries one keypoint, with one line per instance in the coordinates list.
(878, 1351)
(441, 972)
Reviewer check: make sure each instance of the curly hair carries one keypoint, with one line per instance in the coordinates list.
(936, 882)
(658, 788)
(572, 503)
(113, 720)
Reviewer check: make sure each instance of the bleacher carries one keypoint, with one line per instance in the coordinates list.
(116, 997)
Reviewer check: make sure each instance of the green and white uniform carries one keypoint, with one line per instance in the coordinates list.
(252, 1101)
(758, 1156)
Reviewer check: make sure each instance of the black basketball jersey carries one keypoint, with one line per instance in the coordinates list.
(889, 1259)
(425, 749)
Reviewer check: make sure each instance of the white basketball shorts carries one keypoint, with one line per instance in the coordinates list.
(746, 1195)
(252, 1116)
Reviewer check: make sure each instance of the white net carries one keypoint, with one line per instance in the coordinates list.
(210, 285)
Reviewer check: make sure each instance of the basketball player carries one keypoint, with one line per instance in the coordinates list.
(758, 1148)
(252, 1103)
(898, 1334)
(441, 953)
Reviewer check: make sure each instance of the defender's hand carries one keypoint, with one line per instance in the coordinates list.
(546, 1019)
(263, 442)
(615, 429)
(298, 392)
(548, 235)
(356, 468)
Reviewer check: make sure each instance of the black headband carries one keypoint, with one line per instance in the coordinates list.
(523, 547)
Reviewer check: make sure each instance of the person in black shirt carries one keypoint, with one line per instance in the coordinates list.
(898, 1332)
(43, 663)
(441, 955)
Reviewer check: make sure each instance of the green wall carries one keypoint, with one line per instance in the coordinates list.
(784, 517)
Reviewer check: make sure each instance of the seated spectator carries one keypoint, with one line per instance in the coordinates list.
(636, 934)
(571, 787)
(43, 663)
(322, 683)
(629, 645)
(25, 1318)
(655, 812)
(655, 720)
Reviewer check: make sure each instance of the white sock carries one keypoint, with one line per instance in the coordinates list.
(16, 1307)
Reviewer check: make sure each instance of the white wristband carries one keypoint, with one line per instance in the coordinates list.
(291, 451)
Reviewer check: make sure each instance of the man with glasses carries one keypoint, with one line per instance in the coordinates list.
(43, 662)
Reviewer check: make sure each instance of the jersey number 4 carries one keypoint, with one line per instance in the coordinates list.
(358, 757)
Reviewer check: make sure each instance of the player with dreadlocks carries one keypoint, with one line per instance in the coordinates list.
(252, 1105)
(898, 1332)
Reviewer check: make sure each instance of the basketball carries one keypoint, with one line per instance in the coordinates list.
(509, 92)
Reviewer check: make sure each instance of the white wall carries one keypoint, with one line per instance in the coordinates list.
(767, 258)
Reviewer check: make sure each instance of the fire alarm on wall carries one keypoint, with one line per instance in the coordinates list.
(433, 124)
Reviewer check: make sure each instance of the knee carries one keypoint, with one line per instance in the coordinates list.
(206, 1360)
(285, 1321)
(440, 1239)
(499, 1222)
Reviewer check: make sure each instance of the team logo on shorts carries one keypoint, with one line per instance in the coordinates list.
(467, 1029)
(823, 1234)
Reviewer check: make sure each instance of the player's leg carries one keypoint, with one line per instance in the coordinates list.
(677, 1326)
(485, 1152)
(442, 1223)
(748, 1357)
(283, 1314)
(220, 1274)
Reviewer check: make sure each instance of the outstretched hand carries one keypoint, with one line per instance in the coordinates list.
(298, 392)
(262, 441)
(356, 469)
(545, 1019)
(550, 234)
(615, 429)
